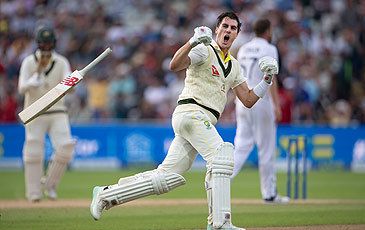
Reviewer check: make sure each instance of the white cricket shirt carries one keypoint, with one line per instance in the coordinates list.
(57, 69)
(206, 81)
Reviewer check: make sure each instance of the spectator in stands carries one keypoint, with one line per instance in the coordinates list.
(307, 33)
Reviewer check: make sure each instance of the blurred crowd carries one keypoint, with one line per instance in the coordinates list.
(320, 43)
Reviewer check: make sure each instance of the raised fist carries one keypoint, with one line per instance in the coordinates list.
(268, 65)
(202, 34)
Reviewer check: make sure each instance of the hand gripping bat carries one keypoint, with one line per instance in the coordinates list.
(56, 93)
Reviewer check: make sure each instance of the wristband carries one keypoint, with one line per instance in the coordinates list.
(261, 88)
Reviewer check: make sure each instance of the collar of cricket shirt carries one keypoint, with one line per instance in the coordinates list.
(218, 52)
(221, 54)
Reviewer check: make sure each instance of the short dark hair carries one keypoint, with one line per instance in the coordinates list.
(261, 26)
(231, 15)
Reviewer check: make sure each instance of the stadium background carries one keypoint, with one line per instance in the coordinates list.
(322, 53)
(121, 112)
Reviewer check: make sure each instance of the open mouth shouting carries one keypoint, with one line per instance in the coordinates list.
(226, 39)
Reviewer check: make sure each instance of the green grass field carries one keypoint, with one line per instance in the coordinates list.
(335, 197)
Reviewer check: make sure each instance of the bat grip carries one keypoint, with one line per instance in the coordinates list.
(95, 61)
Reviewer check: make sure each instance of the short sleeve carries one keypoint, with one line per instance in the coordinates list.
(198, 54)
(239, 79)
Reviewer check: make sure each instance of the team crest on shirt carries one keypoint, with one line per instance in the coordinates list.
(215, 71)
(207, 124)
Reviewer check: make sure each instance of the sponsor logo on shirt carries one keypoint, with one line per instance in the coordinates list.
(207, 124)
(215, 71)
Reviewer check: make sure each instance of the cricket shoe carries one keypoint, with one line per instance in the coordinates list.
(225, 227)
(97, 205)
(277, 200)
(35, 198)
(51, 194)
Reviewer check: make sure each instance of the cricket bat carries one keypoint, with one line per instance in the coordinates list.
(55, 94)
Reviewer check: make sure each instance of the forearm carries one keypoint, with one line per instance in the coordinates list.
(249, 97)
(246, 95)
(28, 82)
(250, 100)
(24, 85)
(181, 59)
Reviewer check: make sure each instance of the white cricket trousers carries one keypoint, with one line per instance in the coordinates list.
(58, 128)
(194, 132)
(257, 126)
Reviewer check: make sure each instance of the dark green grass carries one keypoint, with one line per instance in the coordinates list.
(180, 217)
(337, 185)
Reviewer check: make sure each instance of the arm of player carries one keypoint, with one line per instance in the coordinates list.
(269, 66)
(245, 95)
(181, 59)
(248, 97)
(27, 81)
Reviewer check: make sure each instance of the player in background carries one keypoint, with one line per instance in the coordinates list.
(210, 72)
(39, 73)
(257, 125)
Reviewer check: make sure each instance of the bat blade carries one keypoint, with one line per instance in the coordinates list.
(50, 98)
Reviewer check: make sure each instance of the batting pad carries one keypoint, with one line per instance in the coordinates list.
(141, 185)
(33, 173)
(58, 165)
(33, 156)
(222, 169)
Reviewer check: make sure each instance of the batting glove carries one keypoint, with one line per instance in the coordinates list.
(202, 34)
(269, 66)
(34, 81)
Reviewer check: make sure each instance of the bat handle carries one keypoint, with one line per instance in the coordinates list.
(95, 61)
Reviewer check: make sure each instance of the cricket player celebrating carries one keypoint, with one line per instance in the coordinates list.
(258, 124)
(39, 73)
(210, 72)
